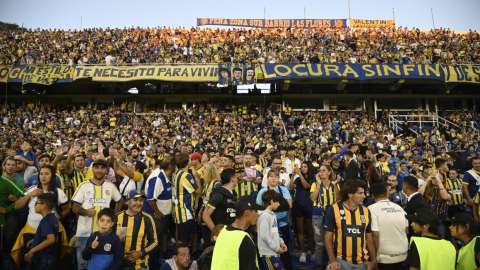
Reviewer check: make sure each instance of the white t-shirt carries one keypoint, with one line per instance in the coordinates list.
(129, 184)
(284, 179)
(389, 220)
(35, 218)
(289, 167)
(380, 146)
(90, 195)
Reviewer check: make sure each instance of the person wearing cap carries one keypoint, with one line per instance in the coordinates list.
(464, 228)
(348, 230)
(141, 238)
(196, 162)
(428, 250)
(235, 248)
(244, 187)
(92, 196)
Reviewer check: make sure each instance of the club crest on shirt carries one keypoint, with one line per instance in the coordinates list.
(342, 212)
(245, 187)
(363, 219)
(107, 192)
(107, 247)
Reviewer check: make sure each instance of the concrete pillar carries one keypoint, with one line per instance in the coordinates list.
(326, 104)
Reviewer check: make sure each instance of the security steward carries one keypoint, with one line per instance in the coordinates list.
(141, 238)
(429, 251)
(235, 248)
(221, 205)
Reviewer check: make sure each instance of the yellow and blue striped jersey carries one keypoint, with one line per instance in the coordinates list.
(455, 187)
(184, 201)
(77, 177)
(141, 235)
(245, 188)
(326, 198)
(207, 190)
(349, 228)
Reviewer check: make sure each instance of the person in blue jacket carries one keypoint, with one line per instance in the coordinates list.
(104, 249)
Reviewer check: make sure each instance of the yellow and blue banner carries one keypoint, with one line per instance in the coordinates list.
(236, 74)
(4, 70)
(462, 74)
(285, 23)
(351, 71)
(356, 23)
(41, 74)
(174, 73)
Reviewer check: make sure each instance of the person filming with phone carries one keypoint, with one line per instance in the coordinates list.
(437, 196)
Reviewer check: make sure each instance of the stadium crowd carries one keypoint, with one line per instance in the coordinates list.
(110, 189)
(165, 45)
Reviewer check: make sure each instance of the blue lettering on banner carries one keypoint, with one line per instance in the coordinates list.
(352, 71)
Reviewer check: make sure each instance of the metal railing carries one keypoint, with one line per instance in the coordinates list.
(396, 124)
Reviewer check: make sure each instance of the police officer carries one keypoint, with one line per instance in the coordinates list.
(220, 208)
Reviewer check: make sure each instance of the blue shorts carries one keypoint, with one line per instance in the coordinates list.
(272, 262)
(186, 230)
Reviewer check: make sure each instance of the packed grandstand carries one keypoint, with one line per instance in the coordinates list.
(181, 180)
(165, 45)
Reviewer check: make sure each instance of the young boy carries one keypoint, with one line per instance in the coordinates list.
(270, 244)
(104, 250)
(41, 256)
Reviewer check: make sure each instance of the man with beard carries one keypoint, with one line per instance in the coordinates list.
(141, 238)
(136, 155)
(92, 196)
(277, 165)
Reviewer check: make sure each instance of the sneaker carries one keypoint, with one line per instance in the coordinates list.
(312, 258)
(303, 257)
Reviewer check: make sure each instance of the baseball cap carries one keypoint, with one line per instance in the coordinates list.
(196, 156)
(239, 167)
(148, 148)
(426, 216)
(100, 162)
(135, 194)
(247, 203)
(462, 218)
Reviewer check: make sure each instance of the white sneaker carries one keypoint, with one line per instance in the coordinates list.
(303, 257)
(312, 258)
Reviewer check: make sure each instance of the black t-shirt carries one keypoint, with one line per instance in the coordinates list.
(247, 253)
(363, 149)
(224, 207)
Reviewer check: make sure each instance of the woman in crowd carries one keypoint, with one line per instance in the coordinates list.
(323, 194)
(47, 184)
(373, 176)
(212, 180)
(437, 196)
(302, 207)
(273, 177)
